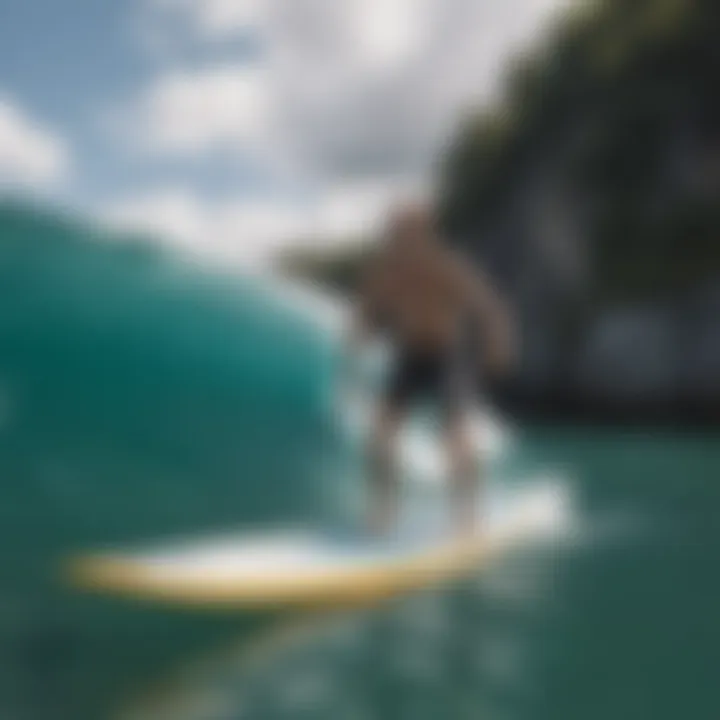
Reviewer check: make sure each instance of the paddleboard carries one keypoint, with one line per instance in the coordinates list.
(314, 567)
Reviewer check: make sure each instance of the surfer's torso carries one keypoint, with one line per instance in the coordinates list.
(417, 299)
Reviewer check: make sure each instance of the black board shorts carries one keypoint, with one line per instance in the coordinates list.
(443, 378)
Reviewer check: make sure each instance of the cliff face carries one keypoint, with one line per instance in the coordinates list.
(593, 193)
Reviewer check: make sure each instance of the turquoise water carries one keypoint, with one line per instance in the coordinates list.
(142, 398)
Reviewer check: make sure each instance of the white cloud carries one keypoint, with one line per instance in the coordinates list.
(189, 113)
(241, 232)
(213, 19)
(173, 214)
(356, 210)
(382, 90)
(359, 87)
(249, 232)
(348, 98)
(388, 33)
(30, 155)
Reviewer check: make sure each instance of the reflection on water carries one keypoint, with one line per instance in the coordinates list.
(441, 654)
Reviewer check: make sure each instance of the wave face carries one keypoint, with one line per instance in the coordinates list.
(142, 395)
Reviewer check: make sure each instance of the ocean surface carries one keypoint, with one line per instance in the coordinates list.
(143, 397)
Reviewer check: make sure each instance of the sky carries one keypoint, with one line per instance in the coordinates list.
(232, 128)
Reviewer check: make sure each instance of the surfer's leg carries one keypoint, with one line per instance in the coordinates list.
(463, 458)
(383, 480)
(402, 385)
(465, 478)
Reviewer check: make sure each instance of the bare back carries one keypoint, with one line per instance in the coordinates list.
(419, 296)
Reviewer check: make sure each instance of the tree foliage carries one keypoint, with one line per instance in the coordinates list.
(619, 108)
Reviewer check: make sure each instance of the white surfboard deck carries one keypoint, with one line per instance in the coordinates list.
(314, 568)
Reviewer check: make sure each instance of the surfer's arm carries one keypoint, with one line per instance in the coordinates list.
(493, 319)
